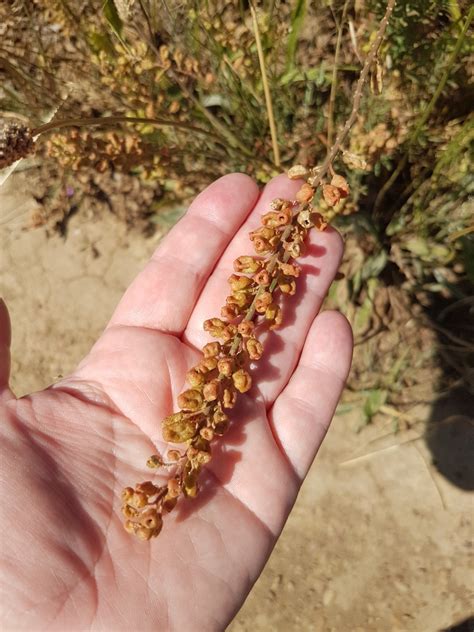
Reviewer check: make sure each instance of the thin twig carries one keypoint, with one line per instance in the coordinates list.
(112, 120)
(341, 137)
(266, 89)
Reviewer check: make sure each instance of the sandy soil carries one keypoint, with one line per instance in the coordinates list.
(382, 543)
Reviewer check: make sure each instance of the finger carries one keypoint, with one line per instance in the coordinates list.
(217, 288)
(163, 295)
(5, 342)
(302, 413)
(319, 266)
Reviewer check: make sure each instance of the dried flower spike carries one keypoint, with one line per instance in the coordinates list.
(224, 366)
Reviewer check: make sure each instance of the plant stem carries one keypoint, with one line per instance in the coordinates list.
(332, 96)
(341, 137)
(266, 89)
(112, 120)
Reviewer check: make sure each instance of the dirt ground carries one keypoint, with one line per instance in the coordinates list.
(381, 543)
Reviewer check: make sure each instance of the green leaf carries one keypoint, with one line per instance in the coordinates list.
(375, 399)
(374, 265)
(418, 246)
(112, 17)
(297, 18)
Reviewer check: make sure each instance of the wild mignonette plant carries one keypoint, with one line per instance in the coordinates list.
(251, 307)
(223, 372)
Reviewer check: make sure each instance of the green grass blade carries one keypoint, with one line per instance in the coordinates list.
(297, 19)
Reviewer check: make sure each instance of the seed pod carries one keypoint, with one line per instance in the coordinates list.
(262, 302)
(240, 299)
(177, 428)
(151, 519)
(290, 269)
(287, 285)
(173, 456)
(230, 312)
(229, 398)
(304, 219)
(331, 194)
(254, 348)
(215, 326)
(211, 349)
(138, 500)
(239, 283)
(207, 365)
(225, 366)
(190, 400)
(211, 390)
(195, 378)
(273, 313)
(340, 183)
(305, 194)
(242, 380)
(298, 171)
(247, 265)
(262, 278)
(245, 328)
(147, 488)
(154, 462)
(207, 434)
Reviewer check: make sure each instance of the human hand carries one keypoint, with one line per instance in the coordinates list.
(67, 562)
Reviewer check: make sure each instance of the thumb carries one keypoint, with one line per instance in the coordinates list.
(5, 341)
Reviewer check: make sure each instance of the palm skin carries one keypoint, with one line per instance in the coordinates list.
(67, 562)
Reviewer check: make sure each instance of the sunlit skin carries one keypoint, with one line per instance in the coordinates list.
(67, 451)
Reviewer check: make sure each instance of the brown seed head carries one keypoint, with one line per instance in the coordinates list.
(16, 141)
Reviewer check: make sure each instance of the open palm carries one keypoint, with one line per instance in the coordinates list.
(67, 451)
